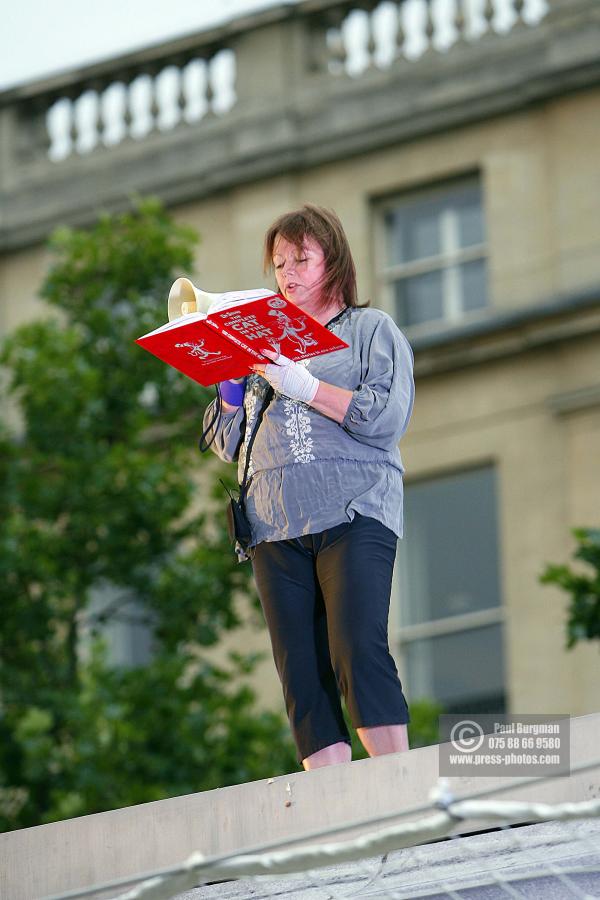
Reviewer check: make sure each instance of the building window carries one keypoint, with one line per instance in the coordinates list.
(433, 255)
(451, 621)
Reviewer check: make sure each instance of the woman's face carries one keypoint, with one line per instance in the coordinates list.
(300, 273)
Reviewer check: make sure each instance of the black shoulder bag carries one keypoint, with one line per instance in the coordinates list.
(238, 526)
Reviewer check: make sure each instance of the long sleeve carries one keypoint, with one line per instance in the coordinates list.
(228, 432)
(381, 405)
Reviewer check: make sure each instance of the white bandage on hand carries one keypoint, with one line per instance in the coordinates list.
(292, 380)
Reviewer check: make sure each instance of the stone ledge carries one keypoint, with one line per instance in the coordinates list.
(495, 335)
(50, 859)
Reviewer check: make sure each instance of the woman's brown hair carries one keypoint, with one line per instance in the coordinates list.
(326, 229)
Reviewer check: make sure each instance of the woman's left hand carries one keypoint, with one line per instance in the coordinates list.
(288, 377)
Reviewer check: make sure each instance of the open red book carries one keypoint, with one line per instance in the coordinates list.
(224, 342)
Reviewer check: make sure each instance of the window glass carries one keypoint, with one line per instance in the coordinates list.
(413, 232)
(473, 281)
(419, 299)
(423, 231)
(470, 218)
(448, 557)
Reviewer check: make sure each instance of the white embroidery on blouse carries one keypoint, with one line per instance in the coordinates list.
(250, 402)
(298, 427)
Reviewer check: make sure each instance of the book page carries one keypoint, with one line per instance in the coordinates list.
(177, 323)
(238, 298)
(224, 301)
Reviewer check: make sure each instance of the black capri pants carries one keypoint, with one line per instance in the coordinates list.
(326, 598)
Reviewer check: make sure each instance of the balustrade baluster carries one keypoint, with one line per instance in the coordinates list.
(195, 77)
(57, 106)
(143, 98)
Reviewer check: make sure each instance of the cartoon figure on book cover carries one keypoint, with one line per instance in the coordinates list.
(291, 328)
(197, 349)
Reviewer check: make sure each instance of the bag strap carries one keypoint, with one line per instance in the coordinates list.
(267, 400)
(203, 446)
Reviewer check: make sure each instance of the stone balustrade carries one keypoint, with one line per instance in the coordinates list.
(184, 82)
(134, 103)
(266, 80)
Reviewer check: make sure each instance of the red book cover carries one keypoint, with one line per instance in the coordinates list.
(224, 343)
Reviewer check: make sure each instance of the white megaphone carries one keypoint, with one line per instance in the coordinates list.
(186, 298)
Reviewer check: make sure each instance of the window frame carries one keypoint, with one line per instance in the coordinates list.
(451, 256)
(402, 634)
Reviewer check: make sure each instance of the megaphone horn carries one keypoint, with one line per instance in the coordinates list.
(186, 298)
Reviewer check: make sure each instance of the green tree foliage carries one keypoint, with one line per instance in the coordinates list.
(424, 727)
(583, 623)
(96, 492)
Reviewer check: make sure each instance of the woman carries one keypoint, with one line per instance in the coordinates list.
(324, 496)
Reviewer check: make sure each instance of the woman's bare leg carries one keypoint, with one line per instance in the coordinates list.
(384, 739)
(329, 756)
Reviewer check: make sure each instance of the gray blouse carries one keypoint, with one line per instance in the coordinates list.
(308, 472)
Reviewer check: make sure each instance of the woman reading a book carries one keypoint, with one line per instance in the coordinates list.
(324, 497)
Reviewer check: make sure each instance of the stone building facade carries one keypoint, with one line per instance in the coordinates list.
(463, 156)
